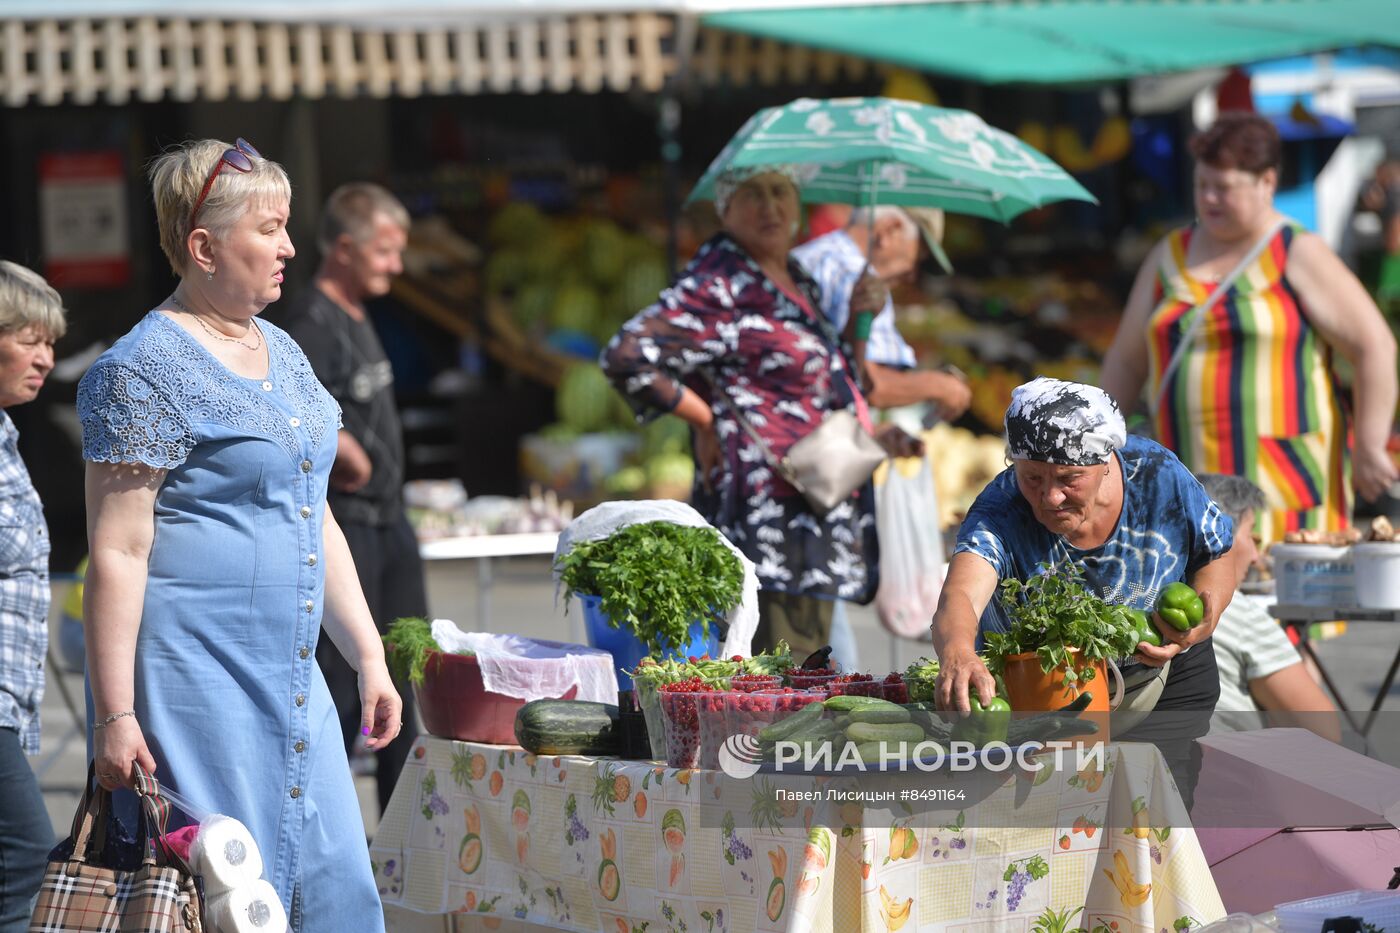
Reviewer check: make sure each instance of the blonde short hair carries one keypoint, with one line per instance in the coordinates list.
(26, 301)
(351, 209)
(177, 177)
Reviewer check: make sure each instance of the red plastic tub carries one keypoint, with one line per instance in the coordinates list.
(456, 705)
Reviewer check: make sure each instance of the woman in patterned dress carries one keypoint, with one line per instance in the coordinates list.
(1255, 393)
(742, 331)
(215, 561)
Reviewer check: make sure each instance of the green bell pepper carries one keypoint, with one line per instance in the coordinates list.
(984, 724)
(1146, 630)
(1181, 607)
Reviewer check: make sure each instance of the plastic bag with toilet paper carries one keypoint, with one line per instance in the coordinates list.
(532, 669)
(223, 853)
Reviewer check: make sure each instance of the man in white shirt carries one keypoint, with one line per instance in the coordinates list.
(854, 268)
(1260, 670)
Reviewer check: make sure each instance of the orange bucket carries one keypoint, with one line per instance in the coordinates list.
(1029, 689)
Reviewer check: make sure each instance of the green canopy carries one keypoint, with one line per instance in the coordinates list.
(872, 150)
(1077, 40)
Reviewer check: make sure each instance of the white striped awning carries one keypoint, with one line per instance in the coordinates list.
(118, 60)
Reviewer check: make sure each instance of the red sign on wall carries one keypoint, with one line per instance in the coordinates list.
(83, 220)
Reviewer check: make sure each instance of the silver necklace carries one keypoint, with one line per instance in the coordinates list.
(214, 333)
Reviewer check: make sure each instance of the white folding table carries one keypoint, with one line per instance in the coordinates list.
(482, 549)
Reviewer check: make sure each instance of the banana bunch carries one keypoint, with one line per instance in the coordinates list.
(1131, 893)
(892, 912)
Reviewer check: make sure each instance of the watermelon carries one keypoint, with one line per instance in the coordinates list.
(604, 252)
(671, 472)
(576, 308)
(777, 899)
(533, 304)
(628, 481)
(584, 398)
(505, 271)
(641, 285)
(609, 881)
(518, 224)
(469, 854)
(673, 831)
(666, 435)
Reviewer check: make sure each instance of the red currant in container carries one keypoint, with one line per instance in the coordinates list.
(680, 710)
(895, 689)
(857, 685)
(800, 678)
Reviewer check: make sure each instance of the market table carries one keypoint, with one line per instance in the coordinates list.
(482, 548)
(1299, 617)
(501, 839)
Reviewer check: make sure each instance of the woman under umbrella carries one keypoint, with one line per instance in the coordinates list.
(740, 336)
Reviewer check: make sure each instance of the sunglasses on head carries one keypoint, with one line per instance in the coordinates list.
(239, 158)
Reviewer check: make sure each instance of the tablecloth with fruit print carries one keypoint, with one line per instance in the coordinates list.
(511, 841)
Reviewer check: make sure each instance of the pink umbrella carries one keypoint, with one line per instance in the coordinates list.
(1283, 814)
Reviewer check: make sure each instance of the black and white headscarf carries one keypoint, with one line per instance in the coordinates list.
(1065, 423)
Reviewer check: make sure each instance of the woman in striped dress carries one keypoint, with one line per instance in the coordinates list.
(1255, 392)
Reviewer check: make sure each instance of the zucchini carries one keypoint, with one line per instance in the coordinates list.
(568, 727)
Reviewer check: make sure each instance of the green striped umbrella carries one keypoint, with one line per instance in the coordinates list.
(873, 150)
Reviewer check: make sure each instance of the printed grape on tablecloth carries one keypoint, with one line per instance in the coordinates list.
(514, 841)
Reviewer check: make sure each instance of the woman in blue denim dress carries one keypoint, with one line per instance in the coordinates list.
(214, 561)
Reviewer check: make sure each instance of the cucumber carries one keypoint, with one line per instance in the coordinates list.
(862, 732)
(843, 721)
(878, 714)
(786, 727)
(875, 751)
(845, 704)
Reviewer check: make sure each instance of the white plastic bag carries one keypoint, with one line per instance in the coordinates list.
(532, 668)
(911, 547)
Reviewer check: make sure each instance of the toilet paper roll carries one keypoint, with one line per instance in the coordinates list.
(249, 908)
(225, 854)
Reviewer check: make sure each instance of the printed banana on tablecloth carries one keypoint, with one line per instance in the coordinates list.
(598, 844)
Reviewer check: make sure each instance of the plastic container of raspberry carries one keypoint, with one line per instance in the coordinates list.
(750, 713)
(714, 726)
(857, 685)
(680, 711)
(801, 678)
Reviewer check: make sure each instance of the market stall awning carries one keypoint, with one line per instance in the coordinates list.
(115, 59)
(1075, 40)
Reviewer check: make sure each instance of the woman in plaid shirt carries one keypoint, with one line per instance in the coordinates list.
(31, 319)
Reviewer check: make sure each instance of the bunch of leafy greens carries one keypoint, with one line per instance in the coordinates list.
(920, 677)
(406, 645)
(656, 578)
(1053, 613)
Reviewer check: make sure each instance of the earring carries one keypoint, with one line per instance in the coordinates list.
(210, 275)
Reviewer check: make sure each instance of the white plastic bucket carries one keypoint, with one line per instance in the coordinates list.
(1313, 575)
(1377, 566)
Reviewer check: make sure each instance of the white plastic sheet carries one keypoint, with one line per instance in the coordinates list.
(911, 549)
(532, 669)
(602, 520)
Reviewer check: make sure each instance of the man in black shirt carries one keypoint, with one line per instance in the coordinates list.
(362, 235)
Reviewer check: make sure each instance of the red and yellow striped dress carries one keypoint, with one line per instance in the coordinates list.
(1255, 394)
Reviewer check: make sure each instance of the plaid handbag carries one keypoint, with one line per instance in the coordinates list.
(80, 896)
